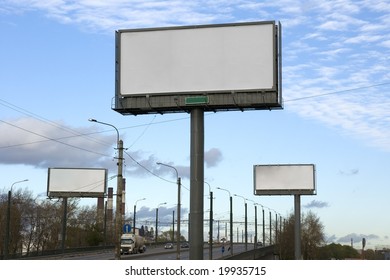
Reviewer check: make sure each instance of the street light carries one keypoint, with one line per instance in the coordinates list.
(178, 208)
(262, 210)
(276, 227)
(255, 204)
(246, 221)
(231, 218)
(118, 214)
(270, 226)
(211, 224)
(8, 225)
(135, 210)
(157, 220)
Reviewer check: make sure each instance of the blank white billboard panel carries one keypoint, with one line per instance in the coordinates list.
(218, 67)
(76, 182)
(204, 59)
(284, 179)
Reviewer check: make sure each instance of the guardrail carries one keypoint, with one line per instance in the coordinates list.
(263, 253)
(59, 252)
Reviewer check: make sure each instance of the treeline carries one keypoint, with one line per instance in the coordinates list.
(313, 246)
(34, 224)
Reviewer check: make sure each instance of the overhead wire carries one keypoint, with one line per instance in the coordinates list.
(77, 134)
(337, 92)
(43, 119)
(52, 139)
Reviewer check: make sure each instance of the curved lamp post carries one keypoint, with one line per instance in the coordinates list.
(262, 210)
(255, 240)
(211, 224)
(231, 218)
(246, 221)
(135, 210)
(156, 234)
(178, 208)
(119, 190)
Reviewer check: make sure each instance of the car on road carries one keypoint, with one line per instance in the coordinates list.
(184, 245)
(168, 246)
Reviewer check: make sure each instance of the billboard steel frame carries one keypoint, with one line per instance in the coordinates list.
(211, 95)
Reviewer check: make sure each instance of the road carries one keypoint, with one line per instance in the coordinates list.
(152, 253)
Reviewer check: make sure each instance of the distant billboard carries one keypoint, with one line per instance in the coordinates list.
(76, 182)
(287, 179)
(218, 67)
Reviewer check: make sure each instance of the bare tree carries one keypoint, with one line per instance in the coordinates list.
(36, 224)
(312, 237)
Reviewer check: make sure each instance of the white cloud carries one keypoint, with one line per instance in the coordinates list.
(363, 39)
(332, 25)
(385, 44)
(45, 144)
(328, 46)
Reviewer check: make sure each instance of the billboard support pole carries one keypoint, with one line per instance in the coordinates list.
(196, 185)
(64, 222)
(297, 226)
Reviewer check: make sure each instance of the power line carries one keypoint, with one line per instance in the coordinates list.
(42, 119)
(151, 172)
(146, 169)
(77, 134)
(46, 140)
(52, 139)
(337, 92)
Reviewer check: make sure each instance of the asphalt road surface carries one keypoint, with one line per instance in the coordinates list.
(153, 253)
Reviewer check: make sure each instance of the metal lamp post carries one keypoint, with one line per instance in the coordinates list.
(270, 226)
(134, 214)
(8, 225)
(119, 190)
(255, 239)
(211, 224)
(262, 210)
(276, 227)
(246, 221)
(156, 234)
(178, 208)
(231, 218)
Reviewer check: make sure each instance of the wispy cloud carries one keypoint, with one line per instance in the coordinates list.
(328, 46)
(351, 172)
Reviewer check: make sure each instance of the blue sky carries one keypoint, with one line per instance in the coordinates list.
(57, 71)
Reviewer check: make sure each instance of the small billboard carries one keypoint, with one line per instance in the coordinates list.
(232, 66)
(284, 179)
(76, 182)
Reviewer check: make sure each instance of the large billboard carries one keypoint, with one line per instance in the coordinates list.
(284, 179)
(217, 67)
(76, 182)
